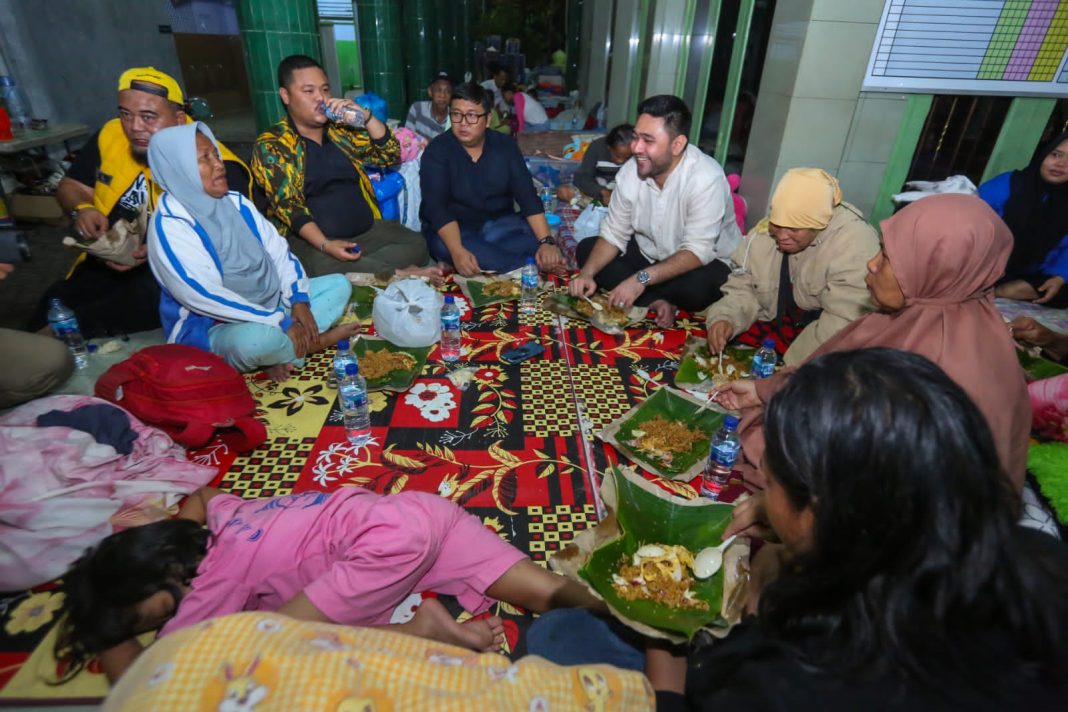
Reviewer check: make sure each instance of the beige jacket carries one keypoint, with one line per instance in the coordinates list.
(828, 275)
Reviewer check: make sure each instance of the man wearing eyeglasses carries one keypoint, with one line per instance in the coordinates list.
(471, 178)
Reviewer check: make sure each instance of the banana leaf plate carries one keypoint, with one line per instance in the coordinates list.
(579, 309)
(672, 405)
(474, 288)
(639, 513)
(399, 380)
(693, 376)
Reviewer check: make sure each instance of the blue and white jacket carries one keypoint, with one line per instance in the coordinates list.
(188, 270)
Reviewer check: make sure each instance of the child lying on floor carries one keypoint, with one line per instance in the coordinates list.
(350, 557)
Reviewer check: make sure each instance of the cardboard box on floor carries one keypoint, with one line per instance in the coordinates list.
(36, 208)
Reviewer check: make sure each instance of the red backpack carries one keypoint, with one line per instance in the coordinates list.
(186, 391)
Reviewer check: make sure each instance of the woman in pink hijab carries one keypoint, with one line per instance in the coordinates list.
(933, 284)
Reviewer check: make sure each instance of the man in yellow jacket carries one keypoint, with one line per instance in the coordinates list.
(108, 181)
(799, 274)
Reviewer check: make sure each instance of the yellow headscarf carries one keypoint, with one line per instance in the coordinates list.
(805, 197)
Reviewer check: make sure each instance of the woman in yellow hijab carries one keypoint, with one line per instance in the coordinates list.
(799, 274)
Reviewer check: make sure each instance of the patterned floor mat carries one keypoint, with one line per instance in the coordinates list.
(515, 447)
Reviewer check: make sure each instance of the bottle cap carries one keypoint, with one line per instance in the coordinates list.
(730, 422)
(449, 299)
(531, 261)
(55, 302)
(351, 369)
(769, 343)
(343, 345)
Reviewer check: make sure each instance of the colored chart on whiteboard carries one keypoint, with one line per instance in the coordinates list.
(1017, 47)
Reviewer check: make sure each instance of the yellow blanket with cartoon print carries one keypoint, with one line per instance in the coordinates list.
(263, 661)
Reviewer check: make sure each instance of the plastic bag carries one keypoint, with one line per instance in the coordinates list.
(588, 224)
(408, 313)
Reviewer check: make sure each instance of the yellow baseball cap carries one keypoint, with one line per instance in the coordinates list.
(153, 81)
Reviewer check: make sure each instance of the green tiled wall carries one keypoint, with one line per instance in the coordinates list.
(271, 31)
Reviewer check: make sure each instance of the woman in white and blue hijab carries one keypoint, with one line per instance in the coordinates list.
(230, 284)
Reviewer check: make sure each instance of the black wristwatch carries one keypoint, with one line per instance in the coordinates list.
(547, 241)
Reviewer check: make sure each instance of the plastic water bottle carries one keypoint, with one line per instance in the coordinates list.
(65, 326)
(765, 360)
(342, 358)
(450, 329)
(353, 396)
(349, 114)
(15, 102)
(528, 281)
(722, 454)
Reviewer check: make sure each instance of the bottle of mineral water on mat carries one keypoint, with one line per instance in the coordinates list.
(528, 299)
(450, 329)
(65, 326)
(722, 454)
(342, 358)
(353, 396)
(765, 360)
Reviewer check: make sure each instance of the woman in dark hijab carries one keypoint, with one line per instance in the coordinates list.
(1034, 204)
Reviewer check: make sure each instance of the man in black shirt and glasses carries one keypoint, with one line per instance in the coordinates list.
(470, 180)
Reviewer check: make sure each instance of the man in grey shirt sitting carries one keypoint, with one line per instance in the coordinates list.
(431, 118)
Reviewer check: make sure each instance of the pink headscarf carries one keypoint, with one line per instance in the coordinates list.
(947, 252)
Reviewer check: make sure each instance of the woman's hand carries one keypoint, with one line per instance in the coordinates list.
(719, 333)
(302, 312)
(299, 336)
(739, 394)
(581, 286)
(342, 250)
(1049, 289)
(750, 518)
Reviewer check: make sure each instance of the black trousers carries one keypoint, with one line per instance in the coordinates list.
(106, 302)
(692, 291)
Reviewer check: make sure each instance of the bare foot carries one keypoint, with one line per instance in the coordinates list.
(435, 274)
(665, 313)
(1016, 289)
(332, 336)
(432, 621)
(280, 371)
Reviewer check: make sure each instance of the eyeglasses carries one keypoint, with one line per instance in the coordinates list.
(470, 117)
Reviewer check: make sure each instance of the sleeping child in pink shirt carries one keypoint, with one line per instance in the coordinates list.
(350, 557)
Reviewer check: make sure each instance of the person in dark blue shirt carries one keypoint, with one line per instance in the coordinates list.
(471, 179)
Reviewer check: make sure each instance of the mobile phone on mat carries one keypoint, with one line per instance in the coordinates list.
(522, 353)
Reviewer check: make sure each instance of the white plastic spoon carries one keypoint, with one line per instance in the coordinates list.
(708, 561)
(595, 305)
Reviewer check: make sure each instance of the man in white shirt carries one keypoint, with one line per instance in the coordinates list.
(670, 230)
(499, 76)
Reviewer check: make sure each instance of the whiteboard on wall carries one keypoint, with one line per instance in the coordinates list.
(1017, 47)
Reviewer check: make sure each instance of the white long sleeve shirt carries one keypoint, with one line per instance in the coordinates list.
(693, 211)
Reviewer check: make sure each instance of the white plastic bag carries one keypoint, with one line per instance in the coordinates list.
(408, 313)
(588, 224)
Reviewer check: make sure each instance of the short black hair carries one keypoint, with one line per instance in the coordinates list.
(291, 64)
(673, 110)
(508, 86)
(474, 93)
(619, 135)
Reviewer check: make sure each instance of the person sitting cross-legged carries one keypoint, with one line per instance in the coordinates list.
(470, 179)
(312, 170)
(670, 230)
(230, 283)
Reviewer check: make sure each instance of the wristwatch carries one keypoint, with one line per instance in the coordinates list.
(546, 241)
(643, 277)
